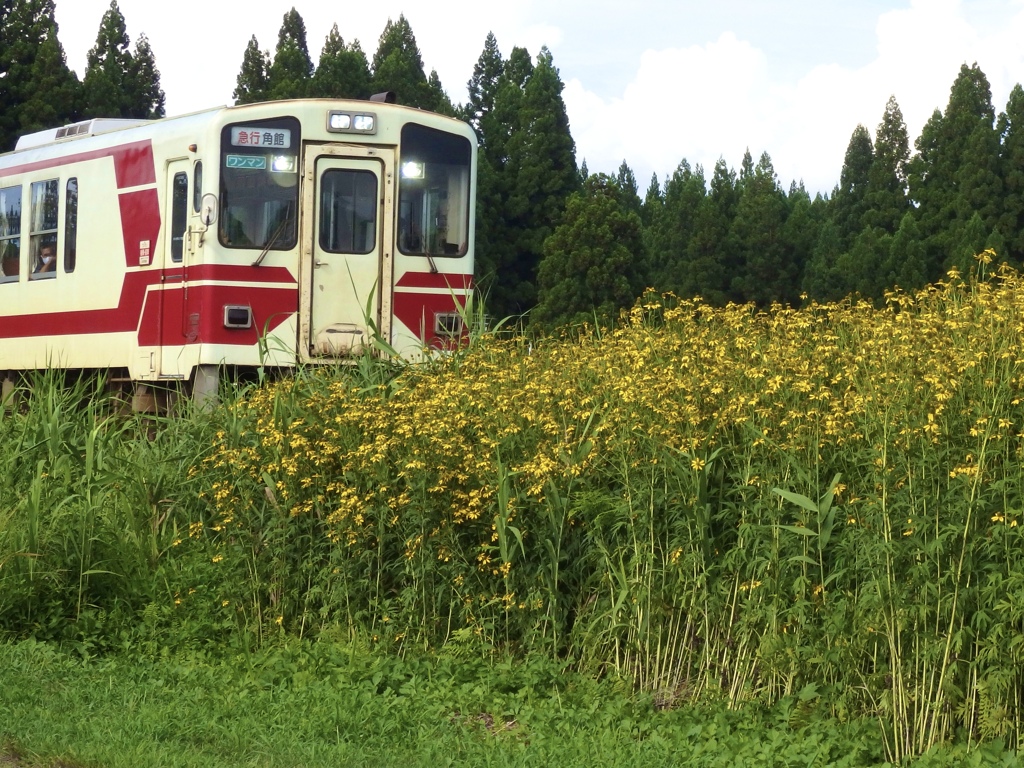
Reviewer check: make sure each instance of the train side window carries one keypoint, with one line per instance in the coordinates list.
(197, 191)
(179, 215)
(45, 201)
(10, 234)
(348, 211)
(70, 225)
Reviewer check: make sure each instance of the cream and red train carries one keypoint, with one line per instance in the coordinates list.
(266, 234)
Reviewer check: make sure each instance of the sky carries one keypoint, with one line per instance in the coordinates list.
(651, 82)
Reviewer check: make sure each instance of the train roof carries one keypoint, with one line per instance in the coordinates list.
(75, 130)
(42, 141)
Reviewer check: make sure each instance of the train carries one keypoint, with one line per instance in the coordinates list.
(261, 235)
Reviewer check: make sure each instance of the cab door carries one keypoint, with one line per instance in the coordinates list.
(172, 333)
(346, 265)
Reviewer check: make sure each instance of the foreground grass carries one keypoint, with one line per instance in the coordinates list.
(309, 705)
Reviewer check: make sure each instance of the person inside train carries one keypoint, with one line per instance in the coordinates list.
(47, 259)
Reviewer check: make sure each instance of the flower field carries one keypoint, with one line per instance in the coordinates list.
(711, 502)
(733, 504)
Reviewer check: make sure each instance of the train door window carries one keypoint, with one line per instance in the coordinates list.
(348, 211)
(10, 234)
(45, 197)
(259, 184)
(70, 225)
(197, 192)
(433, 192)
(179, 214)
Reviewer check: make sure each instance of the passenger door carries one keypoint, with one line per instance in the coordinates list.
(346, 251)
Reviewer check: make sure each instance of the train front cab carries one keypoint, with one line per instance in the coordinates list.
(383, 236)
(387, 253)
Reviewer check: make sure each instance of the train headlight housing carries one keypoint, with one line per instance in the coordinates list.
(351, 122)
(412, 170)
(339, 121)
(283, 163)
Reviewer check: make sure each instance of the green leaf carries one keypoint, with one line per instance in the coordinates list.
(798, 499)
(799, 530)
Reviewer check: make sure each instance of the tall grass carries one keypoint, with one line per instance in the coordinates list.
(725, 503)
(90, 498)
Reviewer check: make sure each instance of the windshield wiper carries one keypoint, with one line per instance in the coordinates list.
(270, 243)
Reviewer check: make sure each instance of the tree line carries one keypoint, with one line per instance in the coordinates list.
(560, 244)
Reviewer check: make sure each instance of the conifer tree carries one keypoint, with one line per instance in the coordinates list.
(542, 162)
(955, 171)
(886, 196)
(650, 217)
(627, 186)
(119, 82)
(107, 83)
(711, 260)
(495, 233)
(252, 83)
(654, 201)
(800, 231)
(343, 71)
(291, 70)
(398, 66)
(37, 88)
(593, 265)
(1011, 158)
(483, 86)
(765, 273)
(849, 204)
(683, 195)
(440, 102)
(146, 96)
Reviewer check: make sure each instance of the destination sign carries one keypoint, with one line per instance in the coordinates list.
(279, 138)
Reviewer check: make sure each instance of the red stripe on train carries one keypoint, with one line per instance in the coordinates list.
(126, 315)
(133, 163)
(191, 315)
(140, 224)
(418, 311)
(123, 317)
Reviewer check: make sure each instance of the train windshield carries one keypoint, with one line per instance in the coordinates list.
(259, 187)
(433, 192)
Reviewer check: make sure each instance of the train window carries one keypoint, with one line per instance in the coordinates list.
(10, 234)
(197, 192)
(259, 184)
(348, 211)
(179, 215)
(70, 225)
(433, 192)
(45, 201)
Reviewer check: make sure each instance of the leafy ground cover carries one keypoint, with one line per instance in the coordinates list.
(312, 705)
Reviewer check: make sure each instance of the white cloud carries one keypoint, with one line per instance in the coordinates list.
(698, 102)
(714, 100)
